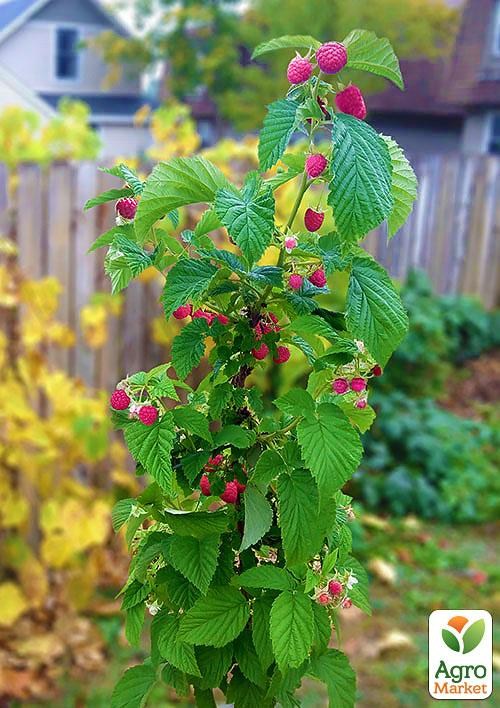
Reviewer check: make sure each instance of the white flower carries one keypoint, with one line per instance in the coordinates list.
(351, 581)
(153, 607)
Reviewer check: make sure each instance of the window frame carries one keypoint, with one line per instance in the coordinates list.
(495, 48)
(492, 117)
(55, 54)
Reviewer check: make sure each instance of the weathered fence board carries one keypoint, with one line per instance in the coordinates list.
(452, 234)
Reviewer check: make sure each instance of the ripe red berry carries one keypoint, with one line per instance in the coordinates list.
(313, 220)
(377, 370)
(318, 278)
(201, 314)
(351, 101)
(358, 384)
(241, 487)
(148, 415)
(324, 599)
(316, 165)
(230, 494)
(362, 403)
(205, 486)
(261, 352)
(335, 588)
(299, 70)
(273, 317)
(223, 319)
(127, 208)
(183, 311)
(282, 355)
(295, 281)
(331, 57)
(340, 386)
(120, 400)
(347, 604)
(216, 461)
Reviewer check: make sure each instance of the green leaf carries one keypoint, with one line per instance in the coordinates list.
(182, 181)
(214, 664)
(359, 592)
(217, 619)
(107, 238)
(258, 517)
(181, 593)
(133, 688)
(234, 435)
(296, 402)
(298, 501)
(151, 445)
(331, 448)
(112, 195)
(367, 52)
(279, 126)
(134, 621)
(473, 635)
(219, 398)
(248, 661)
(178, 653)
(189, 346)
(191, 420)
(286, 42)
(127, 174)
(361, 190)
(248, 217)
(121, 513)
(322, 628)
(362, 418)
(134, 594)
(291, 628)
(136, 258)
(404, 187)
(188, 279)
(374, 311)
(333, 669)
(313, 324)
(260, 629)
(209, 221)
(193, 464)
(242, 693)
(269, 466)
(204, 698)
(450, 640)
(199, 524)
(266, 576)
(117, 269)
(195, 558)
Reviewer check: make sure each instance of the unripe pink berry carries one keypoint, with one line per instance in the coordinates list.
(335, 588)
(351, 101)
(331, 57)
(318, 278)
(295, 281)
(127, 208)
(324, 599)
(358, 384)
(230, 494)
(205, 486)
(316, 165)
(290, 244)
(182, 312)
(282, 355)
(340, 386)
(347, 604)
(261, 352)
(377, 370)
(148, 415)
(201, 314)
(362, 403)
(299, 70)
(120, 400)
(313, 219)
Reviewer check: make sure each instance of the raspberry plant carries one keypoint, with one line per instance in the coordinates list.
(241, 548)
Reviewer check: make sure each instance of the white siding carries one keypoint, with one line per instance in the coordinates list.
(123, 140)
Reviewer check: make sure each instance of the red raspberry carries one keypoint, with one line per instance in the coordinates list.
(335, 588)
(127, 208)
(340, 386)
(313, 220)
(273, 317)
(362, 403)
(223, 319)
(148, 415)
(290, 243)
(358, 384)
(324, 599)
(230, 494)
(208, 316)
(351, 101)
(282, 355)
(258, 331)
(241, 487)
(261, 352)
(299, 70)
(347, 604)
(183, 311)
(216, 461)
(331, 57)
(377, 370)
(318, 278)
(205, 486)
(316, 165)
(295, 281)
(119, 401)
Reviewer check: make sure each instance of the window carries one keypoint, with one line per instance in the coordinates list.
(67, 58)
(496, 30)
(494, 135)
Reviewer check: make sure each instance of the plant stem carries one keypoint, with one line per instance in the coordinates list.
(304, 186)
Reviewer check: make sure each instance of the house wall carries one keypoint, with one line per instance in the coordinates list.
(421, 136)
(29, 53)
(123, 140)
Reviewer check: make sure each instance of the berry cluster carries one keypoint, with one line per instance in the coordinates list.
(268, 325)
(335, 593)
(356, 384)
(187, 311)
(214, 480)
(145, 412)
(316, 278)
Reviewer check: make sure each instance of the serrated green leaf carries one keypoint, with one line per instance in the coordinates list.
(209, 221)
(331, 448)
(258, 516)
(127, 174)
(191, 420)
(193, 464)
(260, 629)
(322, 628)
(189, 346)
(362, 418)
(286, 42)
(374, 311)
(333, 669)
(361, 189)
(111, 195)
(181, 593)
(219, 398)
(242, 693)
(367, 52)
(249, 218)
(214, 664)
(195, 558)
(266, 576)
(217, 619)
(133, 688)
(121, 513)
(178, 653)
(296, 402)
(248, 661)
(136, 258)
(404, 187)
(313, 324)
(117, 269)
(134, 594)
(107, 238)
(234, 435)
(268, 467)
(134, 622)
(188, 279)
(359, 593)
(182, 181)
(291, 628)
(279, 126)
(151, 445)
(298, 502)
(199, 524)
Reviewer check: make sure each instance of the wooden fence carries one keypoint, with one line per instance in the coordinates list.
(452, 234)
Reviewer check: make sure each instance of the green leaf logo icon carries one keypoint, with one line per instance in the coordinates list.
(466, 642)
(450, 640)
(473, 636)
